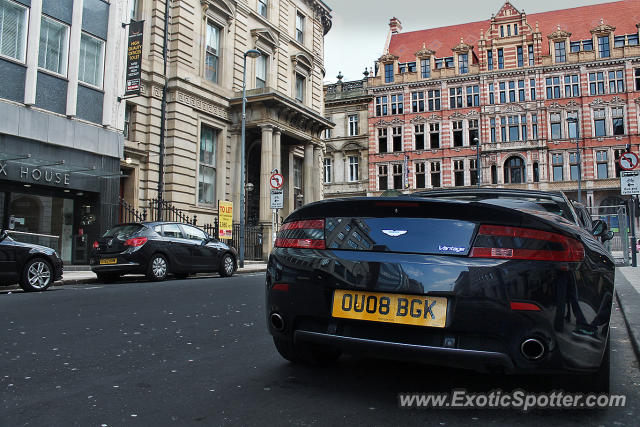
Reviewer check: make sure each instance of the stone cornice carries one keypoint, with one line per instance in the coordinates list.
(424, 52)
(462, 47)
(559, 34)
(388, 57)
(603, 29)
(199, 104)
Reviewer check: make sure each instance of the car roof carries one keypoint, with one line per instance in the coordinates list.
(153, 223)
(490, 191)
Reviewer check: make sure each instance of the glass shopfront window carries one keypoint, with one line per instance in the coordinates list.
(65, 224)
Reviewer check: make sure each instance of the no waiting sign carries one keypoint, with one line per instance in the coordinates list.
(629, 183)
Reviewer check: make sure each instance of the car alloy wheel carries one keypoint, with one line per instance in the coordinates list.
(158, 268)
(228, 266)
(37, 275)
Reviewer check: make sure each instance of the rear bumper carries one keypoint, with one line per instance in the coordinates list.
(452, 357)
(125, 264)
(482, 332)
(124, 268)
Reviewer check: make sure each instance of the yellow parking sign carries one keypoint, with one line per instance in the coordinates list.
(225, 219)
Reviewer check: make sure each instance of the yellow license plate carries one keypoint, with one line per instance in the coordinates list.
(417, 310)
(108, 261)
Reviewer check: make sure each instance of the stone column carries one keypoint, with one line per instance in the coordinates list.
(307, 184)
(317, 173)
(221, 166)
(277, 133)
(236, 177)
(266, 214)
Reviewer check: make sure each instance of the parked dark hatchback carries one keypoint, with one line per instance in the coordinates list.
(157, 249)
(498, 281)
(34, 267)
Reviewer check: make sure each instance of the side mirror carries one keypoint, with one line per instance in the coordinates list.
(599, 228)
(607, 236)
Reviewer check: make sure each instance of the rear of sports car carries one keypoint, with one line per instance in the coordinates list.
(463, 284)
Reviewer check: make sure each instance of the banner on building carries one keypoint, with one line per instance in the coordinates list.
(225, 219)
(134, 58)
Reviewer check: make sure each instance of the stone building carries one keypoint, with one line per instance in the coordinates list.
(345, 170)
(528, 87)
(207, 40)
(61, 128)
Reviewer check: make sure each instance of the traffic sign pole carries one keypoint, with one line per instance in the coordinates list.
(277, 194)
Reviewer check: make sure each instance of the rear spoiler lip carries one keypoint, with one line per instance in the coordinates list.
(527, 219)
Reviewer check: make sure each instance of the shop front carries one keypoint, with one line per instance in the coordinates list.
(56, 196)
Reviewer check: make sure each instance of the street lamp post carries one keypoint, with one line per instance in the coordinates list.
(478, 175)
(575, 121)
(251, 53)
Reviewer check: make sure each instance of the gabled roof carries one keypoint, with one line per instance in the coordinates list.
(623, 15)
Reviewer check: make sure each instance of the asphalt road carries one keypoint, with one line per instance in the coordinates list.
(196, 352)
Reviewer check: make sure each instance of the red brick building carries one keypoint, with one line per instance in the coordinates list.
(528, 87)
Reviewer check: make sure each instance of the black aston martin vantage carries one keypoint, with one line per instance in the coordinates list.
(497, 281)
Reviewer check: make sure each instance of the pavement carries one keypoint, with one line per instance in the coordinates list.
(88, 276)
(79, 275)
(628, 295)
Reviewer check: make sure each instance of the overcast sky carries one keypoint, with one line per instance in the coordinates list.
(360, 27)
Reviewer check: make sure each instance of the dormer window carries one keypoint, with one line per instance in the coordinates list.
(603, 46)
(388, 73)
(463, 63)
(448, 62)
(425, 68)
(561, 52)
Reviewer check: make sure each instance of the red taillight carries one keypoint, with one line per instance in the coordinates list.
(308, 224)
(524, 306)
(284, 287)
(136, 242)
(96, 245)
(501, 242)
(307, 234)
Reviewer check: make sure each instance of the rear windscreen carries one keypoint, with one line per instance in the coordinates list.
(123, 231)
(409, 235)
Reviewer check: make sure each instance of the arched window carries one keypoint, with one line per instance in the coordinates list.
(514, 171)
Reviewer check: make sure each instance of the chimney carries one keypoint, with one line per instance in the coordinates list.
(394, 25)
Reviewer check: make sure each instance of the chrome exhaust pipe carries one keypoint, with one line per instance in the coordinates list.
(532, 349)
(277, 322)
